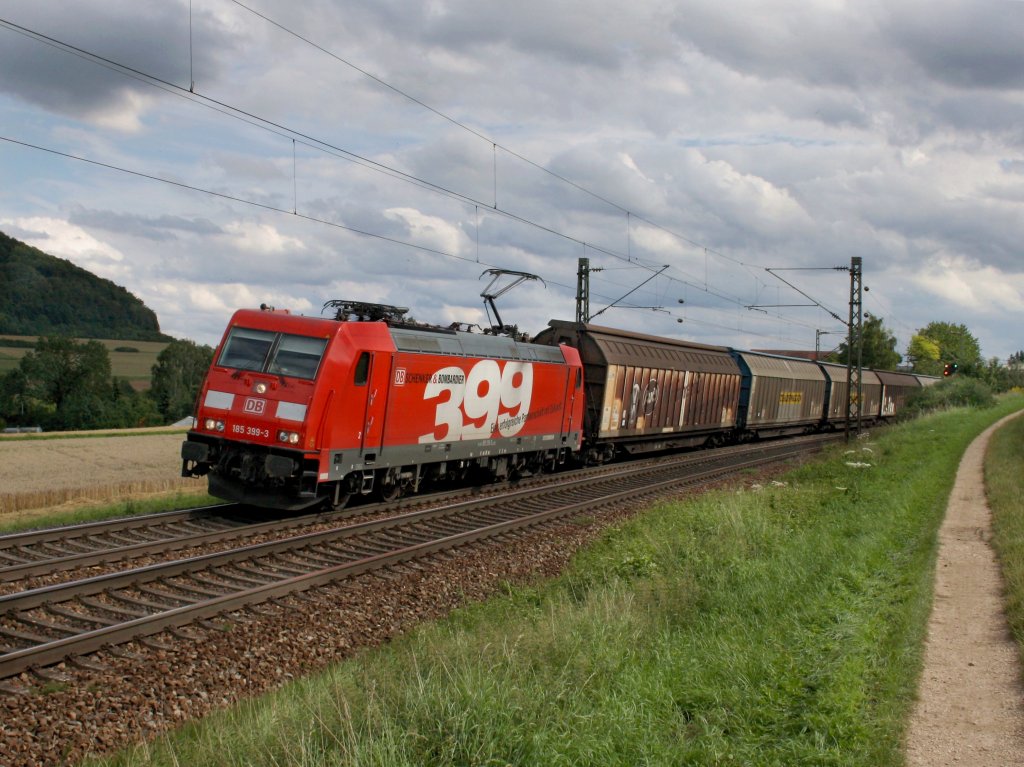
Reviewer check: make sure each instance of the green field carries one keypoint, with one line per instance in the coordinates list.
(136, 366)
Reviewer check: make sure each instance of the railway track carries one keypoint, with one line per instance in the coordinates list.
(55, 551)
(46, 625)
(47, 552)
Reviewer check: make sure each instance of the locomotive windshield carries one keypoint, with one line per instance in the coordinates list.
(266, 351)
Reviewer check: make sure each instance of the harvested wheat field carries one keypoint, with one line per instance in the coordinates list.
(46, 473)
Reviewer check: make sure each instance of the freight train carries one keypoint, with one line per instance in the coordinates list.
(301, 411)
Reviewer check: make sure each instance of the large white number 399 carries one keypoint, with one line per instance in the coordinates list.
(486, 400)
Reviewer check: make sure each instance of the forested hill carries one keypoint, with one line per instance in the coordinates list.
(44, 295)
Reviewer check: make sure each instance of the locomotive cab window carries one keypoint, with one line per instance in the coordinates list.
(265, 351)
(246, 349)
(297, 356)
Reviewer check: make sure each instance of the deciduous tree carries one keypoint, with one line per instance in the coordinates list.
(924, 355)
(66, 384)
(878, 346)
(956, 344)
(177, 376)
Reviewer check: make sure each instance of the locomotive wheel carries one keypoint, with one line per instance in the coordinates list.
(387, 488)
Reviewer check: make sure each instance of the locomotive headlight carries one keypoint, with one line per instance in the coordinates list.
(290, 437)
(212, 424)
(260, 388)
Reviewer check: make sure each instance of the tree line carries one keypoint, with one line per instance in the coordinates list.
(931, 349)
(64, 384)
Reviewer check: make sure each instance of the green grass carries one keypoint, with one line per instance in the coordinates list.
(129, 508)
(1004, 486)
(773, 626)
(133, 366)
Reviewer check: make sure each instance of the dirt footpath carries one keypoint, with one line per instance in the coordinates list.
(45, 473)
(970, 708)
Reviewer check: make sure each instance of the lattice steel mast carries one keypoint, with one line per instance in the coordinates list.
(854, 350)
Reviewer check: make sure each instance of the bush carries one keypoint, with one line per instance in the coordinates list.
(952, 392)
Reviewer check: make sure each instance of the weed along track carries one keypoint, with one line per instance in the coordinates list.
(50, 624)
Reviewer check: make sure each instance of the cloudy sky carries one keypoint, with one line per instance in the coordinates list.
(217, 154)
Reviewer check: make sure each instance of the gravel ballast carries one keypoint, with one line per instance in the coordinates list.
(157, 686)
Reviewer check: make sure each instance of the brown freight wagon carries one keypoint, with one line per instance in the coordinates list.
(645, 393)
(871, 394)
(895, 388)
(780, 395)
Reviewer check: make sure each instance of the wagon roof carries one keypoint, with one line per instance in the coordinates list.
(777, 366)
(889, 378)
(838, 373)
(622, 347)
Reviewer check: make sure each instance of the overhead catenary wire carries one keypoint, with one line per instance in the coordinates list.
(330, 148)
(495, 145)
(357, 231)
(318, 144)
(233, 198)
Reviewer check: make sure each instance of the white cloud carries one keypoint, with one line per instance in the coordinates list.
(260, 239)
(428, 231)
(778, 133)
(966, 284)
(231, 296)
(59, 238)
(124, 115)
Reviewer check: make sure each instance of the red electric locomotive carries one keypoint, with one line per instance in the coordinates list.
(297, 411)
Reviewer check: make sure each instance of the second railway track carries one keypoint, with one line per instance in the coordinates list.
(46, 625)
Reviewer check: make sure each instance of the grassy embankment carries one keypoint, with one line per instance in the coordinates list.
(1004, 485)
(773, 626)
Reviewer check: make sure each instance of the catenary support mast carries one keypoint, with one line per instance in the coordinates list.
(854, 352)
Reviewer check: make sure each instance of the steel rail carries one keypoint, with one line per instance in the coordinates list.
(31, 553)
(370, 556)
(61, 533)
(158, 545)
(82, 545)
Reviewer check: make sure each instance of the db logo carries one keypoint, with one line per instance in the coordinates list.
(400, 377)
(255, 406)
